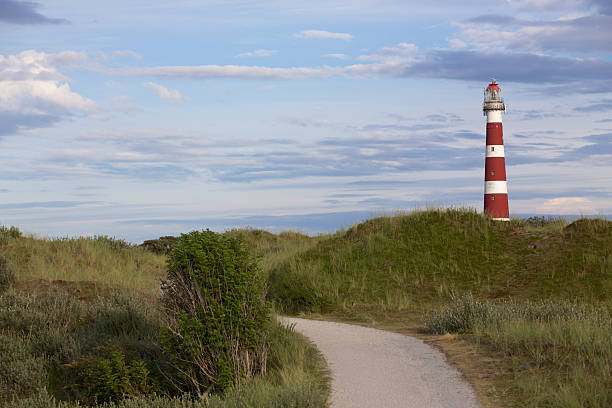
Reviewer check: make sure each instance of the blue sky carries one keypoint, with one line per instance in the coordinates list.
(139, 119)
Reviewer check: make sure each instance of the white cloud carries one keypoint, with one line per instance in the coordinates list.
(336, 56)
(30, 83)
(456, 43)
(323, 35)
(127, 53)
(567, 205)
(259, 72)
(257, 53)
(165, 93)
(396, 54)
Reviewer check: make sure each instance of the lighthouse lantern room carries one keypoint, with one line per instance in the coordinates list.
(496, 189)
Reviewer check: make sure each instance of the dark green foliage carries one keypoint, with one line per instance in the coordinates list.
(160, 246)
(53, 340)
(112, 242)
(218, 317)
(407, 262)
(7, 275)
(294, 291)
(6, 233)
(108, 375)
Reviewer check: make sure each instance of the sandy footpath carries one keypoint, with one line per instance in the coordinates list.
(376, 368)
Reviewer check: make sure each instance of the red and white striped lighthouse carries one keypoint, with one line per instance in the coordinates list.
(496, 188)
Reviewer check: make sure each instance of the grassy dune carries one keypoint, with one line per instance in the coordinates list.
(102, 260)
(74, 298)
(420, 260)
(530, 300)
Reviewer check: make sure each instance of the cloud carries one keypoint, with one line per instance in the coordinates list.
(323, 35)
(45, 204)
(567, 205)
(603, 105)
(34, 94)
(24, 12)
(257, 53)
(396, 54)
(516, 67)
(14, 122)
(581, 34)
(126, 53)
(165, 93)
(336, 56)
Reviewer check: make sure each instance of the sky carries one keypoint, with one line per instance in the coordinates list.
(140, 119)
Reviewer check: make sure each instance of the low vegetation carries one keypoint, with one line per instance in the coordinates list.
(531, 295)
(559, 352)
(421, 260)
(114, 342)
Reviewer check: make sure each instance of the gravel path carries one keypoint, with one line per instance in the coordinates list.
(376, 368)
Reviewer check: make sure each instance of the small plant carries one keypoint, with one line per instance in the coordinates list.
(7, 276)
(160, 246)
(108, 375)
(217, 315)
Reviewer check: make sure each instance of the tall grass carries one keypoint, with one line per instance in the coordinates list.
(40, 334)
(560, 352)
(98, 259)
(410, 262)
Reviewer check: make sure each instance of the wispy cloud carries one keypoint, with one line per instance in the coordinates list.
(323, 35)
(126, 53)
(24, 12)
(257, 53)
(395, 54)
(165, 93)
(567, 205)
(336, 56)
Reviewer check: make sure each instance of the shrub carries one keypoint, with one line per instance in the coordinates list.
(6, 233)
(7, 276)
(108, 376)
(217, 314)
(160, 246)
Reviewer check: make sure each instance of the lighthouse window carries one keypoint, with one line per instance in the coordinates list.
(492, 148)
(492, 198)
(493, 172)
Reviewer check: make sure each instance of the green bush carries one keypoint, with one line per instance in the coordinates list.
(108, 375)
(217, 314)
(7, 276)
(7, 233)
(160, 246)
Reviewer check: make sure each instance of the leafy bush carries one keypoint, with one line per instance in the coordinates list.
(7, 233)
(108, 376)
(217, 314)
(7, 276)
(161, 246)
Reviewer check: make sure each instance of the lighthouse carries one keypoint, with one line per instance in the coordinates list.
(496, 188)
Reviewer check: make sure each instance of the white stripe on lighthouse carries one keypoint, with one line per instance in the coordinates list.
(495, 150)
(496, 187)
(494, 116)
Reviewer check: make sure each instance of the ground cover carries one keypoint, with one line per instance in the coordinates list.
(80, 324)
(393, 272)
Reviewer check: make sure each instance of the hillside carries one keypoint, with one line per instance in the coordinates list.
(422, 259)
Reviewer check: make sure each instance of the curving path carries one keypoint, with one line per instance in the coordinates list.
(380, 369)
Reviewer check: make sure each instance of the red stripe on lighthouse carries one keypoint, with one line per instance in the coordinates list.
(495, 134)
(496, 192)
(495, 169)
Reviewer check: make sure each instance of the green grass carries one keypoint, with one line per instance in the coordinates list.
(559, 353)
(420, 260)
(102, 260)
(41, 333)
(75, 298)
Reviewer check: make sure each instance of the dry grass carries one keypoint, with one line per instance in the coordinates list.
(95, 260)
